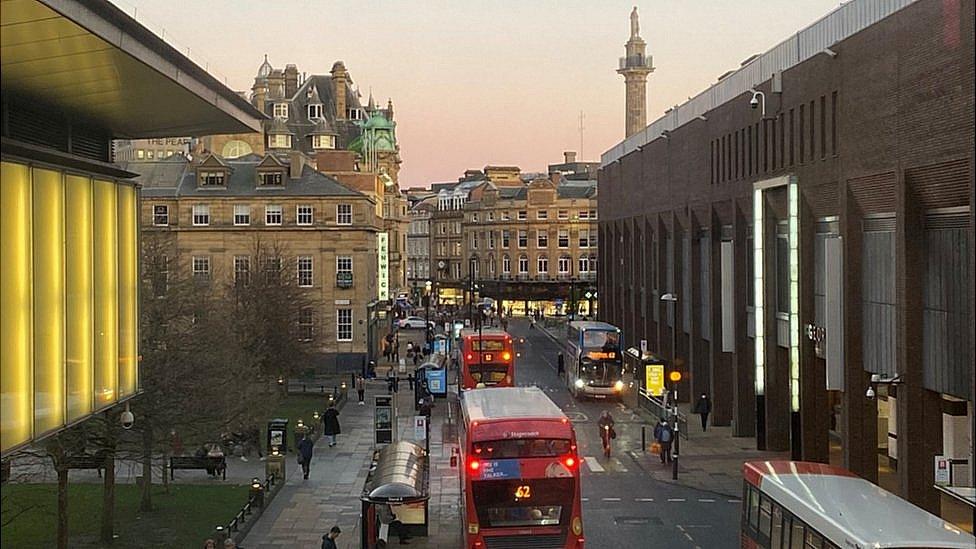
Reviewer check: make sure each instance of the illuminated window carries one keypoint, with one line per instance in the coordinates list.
(344, 214)
(305, 215)
(272, 215)
(321, 142)
(344, 325)
(201, 215)
(279, 141)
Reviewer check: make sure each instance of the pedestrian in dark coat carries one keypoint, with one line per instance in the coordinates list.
(560, 364)
(664, 435)
(361, 390)
(703, 407)
(328, 540)
(331, 424)
(305, 455)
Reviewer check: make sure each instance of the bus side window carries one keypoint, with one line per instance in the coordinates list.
(796, 534)
(814, 540)
(776, 535)
(764, 516)
(753, 508)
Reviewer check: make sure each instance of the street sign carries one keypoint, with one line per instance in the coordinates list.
(588, 295)
(654, 379)
(942, 477)
(419, 427)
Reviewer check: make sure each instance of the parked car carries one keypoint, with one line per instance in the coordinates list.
(415, 322)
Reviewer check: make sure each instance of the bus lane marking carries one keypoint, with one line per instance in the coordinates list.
(593, 465)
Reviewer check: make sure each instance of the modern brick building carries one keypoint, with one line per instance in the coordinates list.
(820, 243)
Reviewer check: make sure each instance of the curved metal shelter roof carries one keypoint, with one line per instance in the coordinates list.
(399, 475)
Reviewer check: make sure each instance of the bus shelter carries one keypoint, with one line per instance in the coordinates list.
(399, 476)
(433, 375)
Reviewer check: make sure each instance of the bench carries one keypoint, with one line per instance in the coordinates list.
(218, 464)
(87, 461)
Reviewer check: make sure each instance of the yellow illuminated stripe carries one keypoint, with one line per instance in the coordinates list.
(106, 293)
(793, 195)
(759, 311)
(78, 287)
(48, 258)
(15, 305)
(128, 287)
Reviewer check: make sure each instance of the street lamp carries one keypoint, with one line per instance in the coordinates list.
(675, 377)
(427, 337)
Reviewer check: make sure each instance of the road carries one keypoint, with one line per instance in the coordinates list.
(622, 506)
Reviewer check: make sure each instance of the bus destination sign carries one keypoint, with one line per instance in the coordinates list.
(500, 469)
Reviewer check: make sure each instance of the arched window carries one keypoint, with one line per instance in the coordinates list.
(564, 263)
(235, 149)
(523, 264)
(506, 264)
(584, 264)
(542, 264)
(593, 263)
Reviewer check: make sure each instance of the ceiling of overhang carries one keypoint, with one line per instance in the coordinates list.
(47, 56)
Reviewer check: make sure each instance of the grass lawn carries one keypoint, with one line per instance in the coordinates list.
(182, 518)
(295, 407)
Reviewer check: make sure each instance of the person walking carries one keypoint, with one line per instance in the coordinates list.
(664, 434)
(361, 390)
(328, 540)
(305, 446)
(330, 422)
(396, 349)
(703, 407)
(560, 364)
(389, 521)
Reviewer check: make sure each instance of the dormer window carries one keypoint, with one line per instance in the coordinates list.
(281, 110)
(279, 141)
(354, 114)
(322, 142)
(212, 178)
(314, 111)
(270, 179)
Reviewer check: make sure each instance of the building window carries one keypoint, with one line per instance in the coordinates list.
(457, 271)
(212, 179)
(593, 238)
(542, 264)
(506, 264)
(523, 265)
(490, 216)
(564, 265)
(562, 214)
(563, 238)
(160, 215)
(457, 227)
(242, 214)
(584, 264)
(270, 179)
(344, 214)
(474, 240)
(584, 214)
(542, 240)
(272, 215)
(140, 154)
(279, 141)
(344, 325)
(242, 270)
(542, 215)
(442, 228)
(304, 215)
(272, 269)
(344, 271)
(281, 110)
(305, 276)
(522, 215)
(150, 154)
(320, 142)
(314, 110)
(306, 324)
(491, 266)
(592, 263)
(505, 216)
(592, 214)
(201, 215)
(506, 237)
(201, 267)
(491, 240)
(474, 218)
(523, 238)
(584, 238)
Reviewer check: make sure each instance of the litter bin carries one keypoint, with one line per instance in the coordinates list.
(278, 435)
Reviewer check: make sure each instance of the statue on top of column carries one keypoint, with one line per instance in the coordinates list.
(634, 24)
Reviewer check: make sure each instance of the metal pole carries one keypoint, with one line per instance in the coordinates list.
(677, 438)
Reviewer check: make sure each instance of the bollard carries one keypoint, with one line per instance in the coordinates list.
(275, 465)
(220, 534)
(256, 492)
(644, 438)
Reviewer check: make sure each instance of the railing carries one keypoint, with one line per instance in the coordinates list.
(257, 502)
(636, 62)
(837, 25)
(659, 408)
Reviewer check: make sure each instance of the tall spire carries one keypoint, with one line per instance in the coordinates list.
(635, 66)
(371, 104)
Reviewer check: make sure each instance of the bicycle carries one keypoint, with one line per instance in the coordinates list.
(606, 435)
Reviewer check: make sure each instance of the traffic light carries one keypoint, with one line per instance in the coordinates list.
(674, 376)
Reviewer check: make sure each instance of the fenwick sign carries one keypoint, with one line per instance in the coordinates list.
(383, 266)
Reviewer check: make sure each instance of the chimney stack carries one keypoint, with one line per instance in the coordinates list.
(296, 161)
(259, 95)
(291, 80)
(570, 157)
(339, 76)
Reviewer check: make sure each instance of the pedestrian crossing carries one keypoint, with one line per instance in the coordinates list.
(612, 465)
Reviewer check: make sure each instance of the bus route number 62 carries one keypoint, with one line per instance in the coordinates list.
(523, 492)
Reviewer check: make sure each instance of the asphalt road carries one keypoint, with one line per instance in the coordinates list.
(622, 505)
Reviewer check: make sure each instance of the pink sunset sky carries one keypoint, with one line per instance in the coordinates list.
(478, 83)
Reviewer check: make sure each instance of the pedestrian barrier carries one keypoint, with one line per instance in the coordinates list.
(658, 409)
(259, 496)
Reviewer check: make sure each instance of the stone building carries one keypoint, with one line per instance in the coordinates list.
(157, 148)
(812, 212)
(214, 210)
(418, 243)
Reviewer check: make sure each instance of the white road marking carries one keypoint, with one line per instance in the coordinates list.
(644, 499)
(706, 500)
(584, 499)
(611, 499)
(734, 501)
(676, 499)
(593, 464)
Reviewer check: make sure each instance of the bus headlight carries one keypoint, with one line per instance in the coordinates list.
(618, 386)
(579, 383)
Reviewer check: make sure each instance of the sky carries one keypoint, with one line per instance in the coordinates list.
(477, 83)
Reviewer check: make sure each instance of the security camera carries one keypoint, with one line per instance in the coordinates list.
(875, 378)
(869, 393)
(754, 102)
(127, 419)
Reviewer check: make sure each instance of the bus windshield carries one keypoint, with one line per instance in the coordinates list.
(523, 502)
(522, 448)
(598, 339)
(600, 370)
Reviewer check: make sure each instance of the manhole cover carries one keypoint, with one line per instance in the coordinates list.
(637, 521)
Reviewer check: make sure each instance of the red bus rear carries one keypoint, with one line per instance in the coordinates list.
(520, 476)
(487, 358)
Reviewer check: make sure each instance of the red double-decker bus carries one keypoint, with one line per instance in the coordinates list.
(520, 474)
(487, 359)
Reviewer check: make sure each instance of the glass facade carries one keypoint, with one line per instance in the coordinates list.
(69, 307)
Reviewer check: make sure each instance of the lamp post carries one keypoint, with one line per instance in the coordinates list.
(471, 263)
(675, 377)
(427, 288)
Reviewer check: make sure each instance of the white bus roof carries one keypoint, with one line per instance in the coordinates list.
(849, 510)
(486, 332)
(498, 403)
(593, 325)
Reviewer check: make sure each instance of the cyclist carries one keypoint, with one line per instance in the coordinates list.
(607, 433)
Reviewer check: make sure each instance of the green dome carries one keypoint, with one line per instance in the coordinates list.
(379, 122)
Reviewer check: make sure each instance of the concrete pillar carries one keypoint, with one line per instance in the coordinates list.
(776, 401)
(743, 360)
(721, 363)
(814, 406)
(859, 415)
(919, 413)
